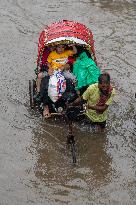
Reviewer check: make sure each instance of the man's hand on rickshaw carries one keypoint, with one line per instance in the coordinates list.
(74, 104)
(85, 107)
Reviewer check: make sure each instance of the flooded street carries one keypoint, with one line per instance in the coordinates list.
(35, 164)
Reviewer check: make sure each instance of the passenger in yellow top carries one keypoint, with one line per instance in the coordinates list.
(58, 59)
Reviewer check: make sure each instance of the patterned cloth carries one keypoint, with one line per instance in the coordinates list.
(92, 95)
(103, 98)
(57, 86)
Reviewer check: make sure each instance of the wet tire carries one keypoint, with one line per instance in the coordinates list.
(71, 142)
(73, 151)
(32, 87)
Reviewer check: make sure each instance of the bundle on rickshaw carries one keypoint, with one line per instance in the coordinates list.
(66, 66)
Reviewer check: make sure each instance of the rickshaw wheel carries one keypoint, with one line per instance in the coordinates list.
(32, 89)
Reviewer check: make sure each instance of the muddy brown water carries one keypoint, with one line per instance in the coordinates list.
(35, 164)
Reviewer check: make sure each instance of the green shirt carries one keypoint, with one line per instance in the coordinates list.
(92, 95)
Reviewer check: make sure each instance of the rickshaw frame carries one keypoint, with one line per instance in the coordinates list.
(62, 32)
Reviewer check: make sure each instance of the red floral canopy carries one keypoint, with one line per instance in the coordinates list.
(65, 31)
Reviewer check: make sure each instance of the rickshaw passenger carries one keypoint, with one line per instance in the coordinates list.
(98, 97)
(43, 71)
(67, 97)
(58, 59)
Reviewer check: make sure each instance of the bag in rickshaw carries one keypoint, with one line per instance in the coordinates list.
(57, 86)
(85, 70)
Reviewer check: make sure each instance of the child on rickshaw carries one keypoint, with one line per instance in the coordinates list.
(43, 67)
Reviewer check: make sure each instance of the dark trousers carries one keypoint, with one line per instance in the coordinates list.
(68, 96)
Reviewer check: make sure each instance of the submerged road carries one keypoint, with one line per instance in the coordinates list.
(35, 164)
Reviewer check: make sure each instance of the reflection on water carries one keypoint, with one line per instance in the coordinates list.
(54, 168)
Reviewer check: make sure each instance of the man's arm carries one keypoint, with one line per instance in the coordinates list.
(98, 108)
(78, 101)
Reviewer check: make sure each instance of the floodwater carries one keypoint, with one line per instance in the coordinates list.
(35, 164)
